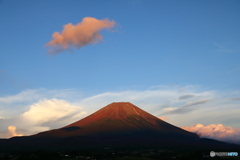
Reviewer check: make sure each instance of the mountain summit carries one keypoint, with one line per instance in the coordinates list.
(121, 111)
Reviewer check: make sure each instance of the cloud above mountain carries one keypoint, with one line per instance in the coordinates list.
(79, 35)
(216, 131)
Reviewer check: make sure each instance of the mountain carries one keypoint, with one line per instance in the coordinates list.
(116, 125)
(119, 119)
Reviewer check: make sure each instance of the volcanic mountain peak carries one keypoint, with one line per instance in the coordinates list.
(123, 108)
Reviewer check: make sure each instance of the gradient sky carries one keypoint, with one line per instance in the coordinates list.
(162, 55)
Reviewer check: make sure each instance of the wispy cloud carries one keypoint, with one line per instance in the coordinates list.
(184, 109)
(216, 131)
(24, 96)
(221, 48)
(32, 95)
(235, 99)
(197, 102)
(169, 109)
(13, 105)
(79, 35)
(187, 96)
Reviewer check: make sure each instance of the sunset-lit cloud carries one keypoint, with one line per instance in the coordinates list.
(169, 109)
(216, 131)
(197, 102)
(41, 116)
(79, 35)
(12, 130)
(49, 110)
(47, 113)
(163, 118)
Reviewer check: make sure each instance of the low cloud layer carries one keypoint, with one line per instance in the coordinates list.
(216, 131)
(79, 35)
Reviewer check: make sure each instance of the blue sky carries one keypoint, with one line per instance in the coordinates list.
(156, 45)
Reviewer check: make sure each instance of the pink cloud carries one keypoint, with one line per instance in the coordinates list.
(12, 131)
(217, 132)
(79, 35)
(163, 118)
